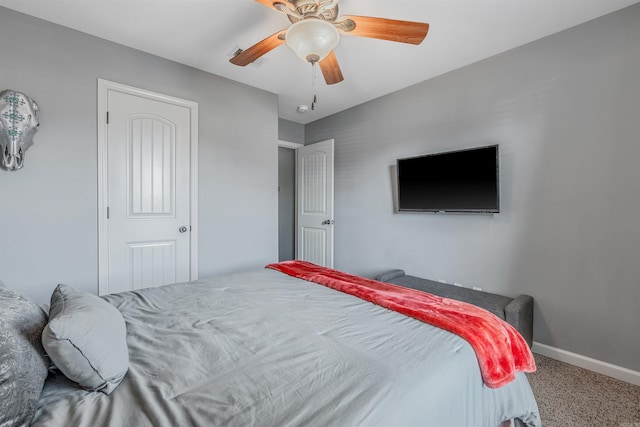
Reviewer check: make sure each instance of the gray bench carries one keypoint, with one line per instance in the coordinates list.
(517, 311)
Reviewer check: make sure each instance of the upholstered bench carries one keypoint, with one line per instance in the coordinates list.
(517, 311)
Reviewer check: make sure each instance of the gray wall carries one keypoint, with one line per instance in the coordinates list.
(48, 210)
(565, 112)
(290, 131)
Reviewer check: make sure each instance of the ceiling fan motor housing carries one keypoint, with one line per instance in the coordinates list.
(297, 10)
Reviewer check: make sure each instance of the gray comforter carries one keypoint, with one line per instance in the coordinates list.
(266, 349)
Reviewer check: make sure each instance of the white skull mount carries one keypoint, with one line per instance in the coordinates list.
(18, 124)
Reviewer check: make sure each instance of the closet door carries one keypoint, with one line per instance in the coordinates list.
(148, 195)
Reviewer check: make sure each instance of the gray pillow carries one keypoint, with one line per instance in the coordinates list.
(86, 338)
(23, 362)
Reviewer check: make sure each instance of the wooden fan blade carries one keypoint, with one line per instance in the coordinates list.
(385, 29)
(249, 55)
(330, 69)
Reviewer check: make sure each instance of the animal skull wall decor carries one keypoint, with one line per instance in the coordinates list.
(18, 124)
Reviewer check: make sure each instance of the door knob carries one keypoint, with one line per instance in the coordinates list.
(328, 222)
(182, 229)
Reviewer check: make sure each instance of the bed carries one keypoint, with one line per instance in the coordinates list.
(264, 348)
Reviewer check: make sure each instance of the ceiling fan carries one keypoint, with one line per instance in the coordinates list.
(316, 30)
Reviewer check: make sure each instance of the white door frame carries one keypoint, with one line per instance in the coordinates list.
(104, 86)
(289, 144)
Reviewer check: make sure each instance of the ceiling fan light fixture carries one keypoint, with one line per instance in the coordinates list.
(312, 39)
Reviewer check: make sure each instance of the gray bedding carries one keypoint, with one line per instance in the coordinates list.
(266, 349)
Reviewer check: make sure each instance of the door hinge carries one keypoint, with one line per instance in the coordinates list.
(107, 117)
(107, 212)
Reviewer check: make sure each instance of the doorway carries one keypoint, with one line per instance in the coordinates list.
(287, 200)
(306, 202)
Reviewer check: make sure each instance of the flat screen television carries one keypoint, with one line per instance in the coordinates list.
(455, 181)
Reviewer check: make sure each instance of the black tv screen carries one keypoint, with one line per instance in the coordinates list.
(456, 181)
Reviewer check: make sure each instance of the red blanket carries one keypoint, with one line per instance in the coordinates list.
(500, 349)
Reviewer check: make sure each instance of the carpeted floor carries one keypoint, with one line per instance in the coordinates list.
(570, 396)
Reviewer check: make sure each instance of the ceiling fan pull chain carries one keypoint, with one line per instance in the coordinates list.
(314, 100)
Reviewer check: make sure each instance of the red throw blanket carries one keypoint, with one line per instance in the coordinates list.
(499, 347)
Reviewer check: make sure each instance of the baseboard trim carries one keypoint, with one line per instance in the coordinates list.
(604, 368)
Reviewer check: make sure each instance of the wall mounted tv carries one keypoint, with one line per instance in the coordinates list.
(455, 181)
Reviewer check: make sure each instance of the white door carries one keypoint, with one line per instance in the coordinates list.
(315, 203)
(148, 194)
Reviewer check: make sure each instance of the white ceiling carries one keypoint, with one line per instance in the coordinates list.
(204, 33)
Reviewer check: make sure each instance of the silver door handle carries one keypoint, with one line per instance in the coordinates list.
(182, 229)
(328, 222)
